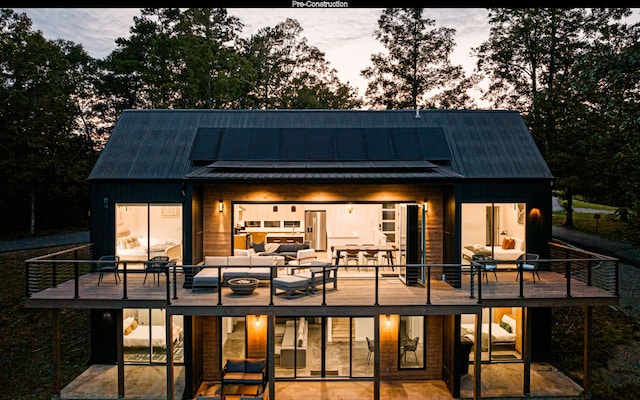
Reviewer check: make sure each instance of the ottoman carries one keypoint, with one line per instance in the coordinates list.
(291, 284)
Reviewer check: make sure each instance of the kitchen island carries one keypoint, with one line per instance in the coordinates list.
(284, 238)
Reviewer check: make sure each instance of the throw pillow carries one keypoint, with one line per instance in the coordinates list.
(505, 243)
(512, 243)
(128, 330)
(287, 248)
(505, 326)
(255, 365)
(258, 247)
(134, 324)
(235, 365)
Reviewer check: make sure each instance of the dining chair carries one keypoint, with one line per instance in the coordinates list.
(334, 256)
(108, 264)
(155, 266)
(353, 254)
(528, 262)
(371, 346)
(370, 254)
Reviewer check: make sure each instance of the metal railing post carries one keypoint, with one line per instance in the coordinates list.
(376, 303)
(479, 275)
(324, 283)
(124, 280)
(428, 284)
(175, 281)
(168, 284)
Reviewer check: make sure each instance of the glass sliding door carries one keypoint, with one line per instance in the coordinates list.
(233, 338)
(496, 230)
(144, 231)
(144, 336)
(362, 347)
(411, 351)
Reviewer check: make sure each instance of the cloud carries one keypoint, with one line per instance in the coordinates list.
(344, 35)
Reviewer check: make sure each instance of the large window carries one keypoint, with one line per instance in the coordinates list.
(144, 231)
(144, 336)
(493, 229)
(503, 325)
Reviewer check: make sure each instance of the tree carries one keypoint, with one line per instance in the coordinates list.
(178, 59)
(288, 73)
(533, 59)
(47, 151)
(416, 71)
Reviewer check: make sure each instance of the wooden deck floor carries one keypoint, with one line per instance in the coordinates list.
(354, 290)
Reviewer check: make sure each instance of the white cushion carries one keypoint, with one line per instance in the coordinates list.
(262, 261)
(519, 244)
(215, 260)
(241, 260)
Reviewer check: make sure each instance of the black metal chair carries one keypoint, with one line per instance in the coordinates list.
(371, 345)
(155, 266)
(108, 264)
(487, 264)
(528, 262)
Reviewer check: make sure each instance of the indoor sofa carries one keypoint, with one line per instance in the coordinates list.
(287, 250)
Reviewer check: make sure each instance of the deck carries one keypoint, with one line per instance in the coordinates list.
(358, 292)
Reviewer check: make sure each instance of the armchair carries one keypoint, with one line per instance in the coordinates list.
(528, 262)
(411, 345)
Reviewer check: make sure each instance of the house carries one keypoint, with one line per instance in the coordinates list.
(452, 201)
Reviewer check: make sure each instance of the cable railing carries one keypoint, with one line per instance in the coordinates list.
(68, 275)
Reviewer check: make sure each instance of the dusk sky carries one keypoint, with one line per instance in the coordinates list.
(344, 35)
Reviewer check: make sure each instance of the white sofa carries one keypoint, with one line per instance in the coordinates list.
(294, 340)
(235, 267)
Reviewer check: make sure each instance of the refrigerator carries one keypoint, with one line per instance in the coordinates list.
(315, 229)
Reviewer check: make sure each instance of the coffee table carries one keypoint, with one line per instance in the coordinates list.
(243, 286)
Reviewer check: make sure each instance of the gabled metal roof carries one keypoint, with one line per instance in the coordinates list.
(319, 144)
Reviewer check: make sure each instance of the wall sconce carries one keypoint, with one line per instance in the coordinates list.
(350, 208)
(388, 320)
(275, 208)
(257, 321)
(535, 213)
(220, 206)
(504, 233)
(426, 205)
(293, 208)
